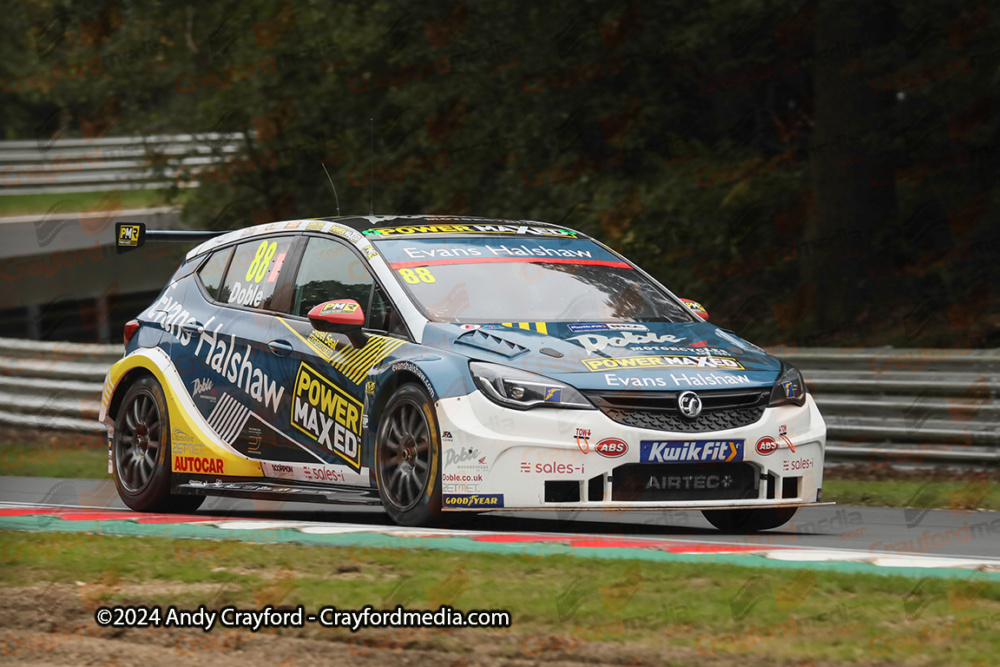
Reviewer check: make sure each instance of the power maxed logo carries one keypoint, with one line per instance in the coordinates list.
(690, 451)
(328, 415)
(612, 363)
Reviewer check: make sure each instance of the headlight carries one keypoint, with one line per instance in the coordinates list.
(790, 389)
(521, 390)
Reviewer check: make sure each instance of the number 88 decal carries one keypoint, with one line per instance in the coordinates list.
(417, 276)
(261, 260)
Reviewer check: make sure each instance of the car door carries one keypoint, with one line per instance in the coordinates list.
(235, 371)
(327, 390)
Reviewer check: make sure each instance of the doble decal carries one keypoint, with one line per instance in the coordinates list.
(328, 415)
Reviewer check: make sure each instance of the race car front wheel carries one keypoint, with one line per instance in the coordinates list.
(749, 521)
(140, 452)
(408, 458)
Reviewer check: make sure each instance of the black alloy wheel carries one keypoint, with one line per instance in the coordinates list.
(140, 452)
(408, 458)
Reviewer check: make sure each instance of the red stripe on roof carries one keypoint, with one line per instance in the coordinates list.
(499, 260)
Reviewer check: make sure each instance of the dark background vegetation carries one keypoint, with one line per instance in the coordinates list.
(817, 173)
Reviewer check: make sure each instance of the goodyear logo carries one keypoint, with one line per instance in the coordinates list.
(339, 307)
(328, 415)
(553, 394)
(474, 500)
(614, 363)
(690, 451)
(128, 235)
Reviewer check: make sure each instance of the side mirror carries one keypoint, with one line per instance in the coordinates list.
(343, 316)
(698, 309)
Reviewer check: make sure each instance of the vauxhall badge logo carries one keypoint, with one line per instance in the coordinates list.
(689, 404)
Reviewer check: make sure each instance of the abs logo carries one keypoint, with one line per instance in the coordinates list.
(766, 446)
(611, 448)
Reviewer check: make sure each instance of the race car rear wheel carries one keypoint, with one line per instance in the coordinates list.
(408, 458)
(140, 452)
(749, 521)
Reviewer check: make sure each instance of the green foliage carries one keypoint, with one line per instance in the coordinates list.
(681, 135)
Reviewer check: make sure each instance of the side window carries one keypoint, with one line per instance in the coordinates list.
(382, 316)
(329, 270)
(253, 273)
(211, 271)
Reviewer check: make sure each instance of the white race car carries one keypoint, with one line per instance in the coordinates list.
(448, 364)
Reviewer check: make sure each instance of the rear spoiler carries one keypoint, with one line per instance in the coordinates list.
(132, 235)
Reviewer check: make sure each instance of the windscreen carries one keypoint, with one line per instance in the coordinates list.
(479, 280)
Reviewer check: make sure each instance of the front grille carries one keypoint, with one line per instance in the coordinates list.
(657, 410)
(644, 482)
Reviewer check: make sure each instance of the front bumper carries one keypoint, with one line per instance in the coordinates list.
(547, 458)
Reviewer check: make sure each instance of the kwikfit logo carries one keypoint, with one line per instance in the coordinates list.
(684, 451)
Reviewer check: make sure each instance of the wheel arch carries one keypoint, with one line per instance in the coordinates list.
(126, 381)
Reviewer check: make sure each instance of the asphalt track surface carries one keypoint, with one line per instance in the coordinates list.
(875, 530)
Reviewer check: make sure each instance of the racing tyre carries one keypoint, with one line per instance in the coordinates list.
(408, 458)
(749, 521)
(140, 452)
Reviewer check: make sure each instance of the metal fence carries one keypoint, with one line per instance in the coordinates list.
(902, 407)
(112, 163)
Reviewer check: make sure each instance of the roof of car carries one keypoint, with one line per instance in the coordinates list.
(378, 227)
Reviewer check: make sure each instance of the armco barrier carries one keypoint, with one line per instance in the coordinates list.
(906, 406)
(886, 406)
(109, 163)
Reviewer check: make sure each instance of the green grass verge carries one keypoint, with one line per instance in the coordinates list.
(65, 460)
(696, 608)
(904, 493)
(82, 201)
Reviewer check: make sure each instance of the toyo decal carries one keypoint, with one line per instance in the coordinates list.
(714, 363)
(327, 414)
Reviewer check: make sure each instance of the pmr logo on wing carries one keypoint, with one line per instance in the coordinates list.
(690, 451)
(473, 500)
(339, 307)
(128, 235)
(614, 363)
(328, 415)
